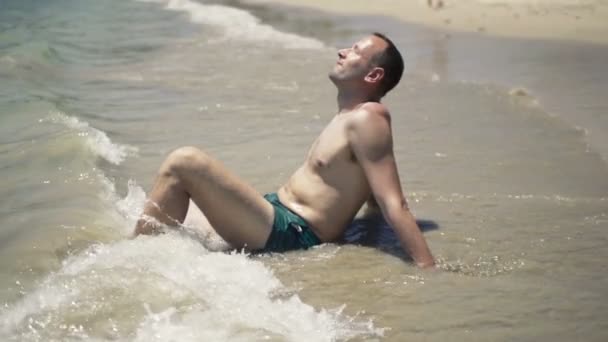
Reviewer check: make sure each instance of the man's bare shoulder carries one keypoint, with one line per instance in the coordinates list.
(369, 130)
(371, 116)
(375, 108)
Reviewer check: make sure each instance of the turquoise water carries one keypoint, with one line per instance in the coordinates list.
(94, 94)
(66, 96)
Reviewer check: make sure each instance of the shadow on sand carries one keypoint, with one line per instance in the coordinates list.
(373, 231)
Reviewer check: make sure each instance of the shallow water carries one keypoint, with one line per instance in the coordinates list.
(493, 145)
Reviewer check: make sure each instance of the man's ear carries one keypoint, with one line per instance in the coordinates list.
(375, 75)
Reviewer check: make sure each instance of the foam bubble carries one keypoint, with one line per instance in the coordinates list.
(97, 140)
(485, 266)
(238, 24)
(519, 91)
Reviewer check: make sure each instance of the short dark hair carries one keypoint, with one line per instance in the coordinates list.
(391, 61)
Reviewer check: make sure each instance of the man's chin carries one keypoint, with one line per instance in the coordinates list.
(333, 77)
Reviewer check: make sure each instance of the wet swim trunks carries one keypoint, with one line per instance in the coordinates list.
(289, 230)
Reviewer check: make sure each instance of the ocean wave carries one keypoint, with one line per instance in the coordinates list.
(97, 141)
(156, 288)
(238, 24)
(32, 53)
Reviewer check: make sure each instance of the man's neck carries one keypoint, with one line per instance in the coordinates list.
(349, 100)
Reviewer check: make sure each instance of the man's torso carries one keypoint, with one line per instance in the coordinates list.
(330, 187)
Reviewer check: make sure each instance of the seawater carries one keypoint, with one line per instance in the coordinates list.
(75, 74)
(94, 94)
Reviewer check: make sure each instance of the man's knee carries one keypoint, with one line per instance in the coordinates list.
(184, 160)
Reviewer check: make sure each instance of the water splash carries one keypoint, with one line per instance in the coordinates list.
(157, 288)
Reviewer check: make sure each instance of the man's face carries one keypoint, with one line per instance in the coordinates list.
(354, 63)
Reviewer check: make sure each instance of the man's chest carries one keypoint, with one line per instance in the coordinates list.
(331, 148)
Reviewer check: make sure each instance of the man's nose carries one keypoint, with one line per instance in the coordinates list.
(342, 53)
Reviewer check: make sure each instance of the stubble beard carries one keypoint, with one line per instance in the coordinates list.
(333, 77)
(334, 74)
(340, 76)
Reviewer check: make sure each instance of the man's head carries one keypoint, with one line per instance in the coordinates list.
(373, 64)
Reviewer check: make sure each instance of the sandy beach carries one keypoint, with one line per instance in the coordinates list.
(580, 20)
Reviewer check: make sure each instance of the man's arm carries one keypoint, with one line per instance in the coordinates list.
(369, 135)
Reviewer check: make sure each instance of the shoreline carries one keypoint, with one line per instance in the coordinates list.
(586, 21)
(560, 73)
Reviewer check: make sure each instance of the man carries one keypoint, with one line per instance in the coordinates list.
(351, 161)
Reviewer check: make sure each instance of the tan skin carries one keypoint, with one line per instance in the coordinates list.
(350, 162)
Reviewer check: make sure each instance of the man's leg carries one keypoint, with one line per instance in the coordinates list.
(238, 213)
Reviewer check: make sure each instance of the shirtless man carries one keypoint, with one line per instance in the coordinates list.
(351, 161)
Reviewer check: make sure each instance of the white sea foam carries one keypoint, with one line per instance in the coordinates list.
(131, 206)
(123, 211)
(238, 23)
(167, 287)
(97, 141)
(164, 287)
